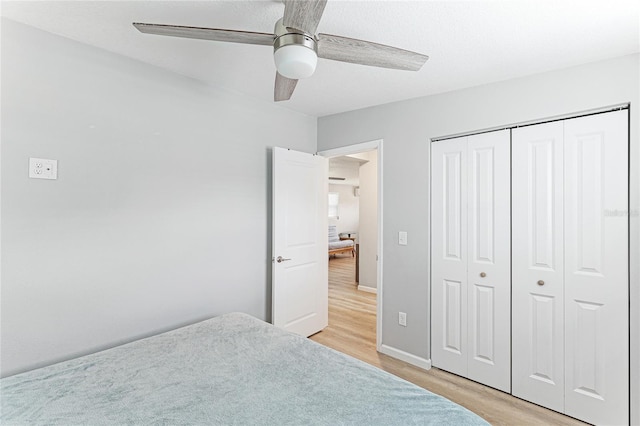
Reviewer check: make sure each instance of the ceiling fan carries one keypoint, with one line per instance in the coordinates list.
(297, 47)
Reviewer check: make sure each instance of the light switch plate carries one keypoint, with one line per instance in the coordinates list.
(41, 168)
(402, 238)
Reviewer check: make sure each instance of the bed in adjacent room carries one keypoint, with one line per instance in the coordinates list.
(232, 369)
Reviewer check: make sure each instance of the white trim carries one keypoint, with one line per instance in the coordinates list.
(351, 149)
(423, 363)
(537, 121)
(355, 149)
(367, 289)
(429, 300)
(380, 246)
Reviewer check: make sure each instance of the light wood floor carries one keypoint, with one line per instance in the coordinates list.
(352, 330)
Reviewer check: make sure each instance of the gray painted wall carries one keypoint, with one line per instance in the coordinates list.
(407, 127)
(160, 215)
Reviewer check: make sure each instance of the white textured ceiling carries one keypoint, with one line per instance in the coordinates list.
(469, 42)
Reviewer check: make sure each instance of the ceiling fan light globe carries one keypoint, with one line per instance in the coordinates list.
(295, 61)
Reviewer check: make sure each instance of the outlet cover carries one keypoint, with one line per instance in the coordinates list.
(41, 168)
(402, 318)
(402, 238)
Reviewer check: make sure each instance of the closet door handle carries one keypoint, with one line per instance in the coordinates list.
(540, 282)
(482, 274)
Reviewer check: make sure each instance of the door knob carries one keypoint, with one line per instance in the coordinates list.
(482, 274)
(540, 282)
(281, 259)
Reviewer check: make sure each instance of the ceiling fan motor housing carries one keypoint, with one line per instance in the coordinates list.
(295, 53)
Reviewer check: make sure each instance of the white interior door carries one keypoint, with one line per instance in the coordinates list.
(489, 259)
(571, 266)
(470, 257)
(449, 255)
(537, 262)
(299, 285)
(596, 268)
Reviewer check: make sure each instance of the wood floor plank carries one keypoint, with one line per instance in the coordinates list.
(352, 330)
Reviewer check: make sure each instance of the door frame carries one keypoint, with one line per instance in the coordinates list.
(356, 149)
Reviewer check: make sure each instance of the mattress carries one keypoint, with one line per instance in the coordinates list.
(229, 370)
(340, 244)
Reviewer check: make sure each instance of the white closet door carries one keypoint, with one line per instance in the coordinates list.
(596, 268)
(449, 255)
(537, 262)
(489, 259)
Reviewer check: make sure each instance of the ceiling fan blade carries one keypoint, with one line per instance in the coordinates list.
(303, 14)
(284, 88)
(363, 52)
(206, 33)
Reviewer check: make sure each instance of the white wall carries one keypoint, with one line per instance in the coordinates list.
(368, 235)
(407, 127)
(161, 212)
(348, 209)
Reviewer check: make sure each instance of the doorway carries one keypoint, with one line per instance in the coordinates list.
(357, 183)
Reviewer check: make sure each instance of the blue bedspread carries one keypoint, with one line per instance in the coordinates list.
(233, 369)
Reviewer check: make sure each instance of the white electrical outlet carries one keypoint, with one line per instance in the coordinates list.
(41, 168)
(402, 319)
(402, 238)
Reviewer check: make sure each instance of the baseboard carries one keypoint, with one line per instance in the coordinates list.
(423, 363)
(367, 289)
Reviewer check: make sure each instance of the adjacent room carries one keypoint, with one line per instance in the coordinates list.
(173, 175)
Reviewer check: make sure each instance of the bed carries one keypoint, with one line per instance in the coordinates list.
(232, 369)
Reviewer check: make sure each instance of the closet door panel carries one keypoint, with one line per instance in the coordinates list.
(596, 268)
(537, 263)
(449, 255)
(489, 259)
